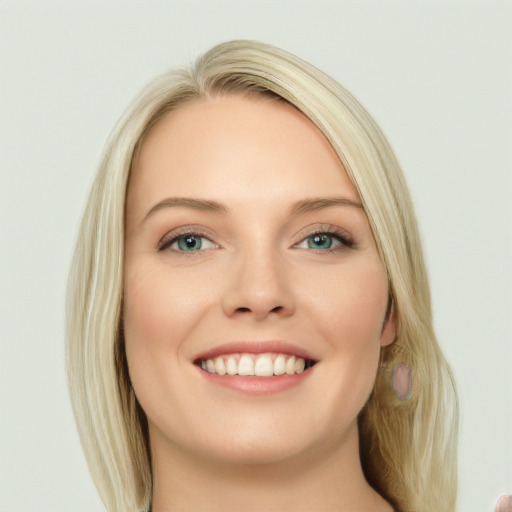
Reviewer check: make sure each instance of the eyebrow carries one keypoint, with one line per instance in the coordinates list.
(319, 203)
(206, 205)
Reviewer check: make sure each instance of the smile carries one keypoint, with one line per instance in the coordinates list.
(257, 365)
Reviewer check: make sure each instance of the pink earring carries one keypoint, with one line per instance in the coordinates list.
(504, 503)
(401, 381)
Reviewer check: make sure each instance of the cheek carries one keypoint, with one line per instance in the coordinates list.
(160, 307)
(351, 306)
(145, 317)
(147, 309)
(349, 311)
(160, 311)
(155, 313)
(163, 310)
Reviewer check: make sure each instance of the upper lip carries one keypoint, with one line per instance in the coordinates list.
(255, 347)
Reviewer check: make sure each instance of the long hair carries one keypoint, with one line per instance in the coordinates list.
(407, 448)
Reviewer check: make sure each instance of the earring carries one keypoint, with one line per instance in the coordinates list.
(401, 381)
(504, 503)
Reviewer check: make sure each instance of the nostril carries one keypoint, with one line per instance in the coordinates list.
(276, 309)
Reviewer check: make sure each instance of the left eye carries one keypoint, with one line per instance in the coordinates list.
(190, 242)
(320, 241)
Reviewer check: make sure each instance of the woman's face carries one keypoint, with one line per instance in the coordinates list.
(247, 250)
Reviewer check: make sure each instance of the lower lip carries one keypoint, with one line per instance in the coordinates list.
(257, 385)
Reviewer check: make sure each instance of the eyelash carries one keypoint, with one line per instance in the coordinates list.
(166, 242)
(336, 233)
(344, 238)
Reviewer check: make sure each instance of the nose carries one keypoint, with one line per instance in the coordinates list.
(258, 287)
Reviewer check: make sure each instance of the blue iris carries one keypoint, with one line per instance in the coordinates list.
(189, 242)
(320, 241)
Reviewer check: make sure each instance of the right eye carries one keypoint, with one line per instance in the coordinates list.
(189, 242)
(320, 241)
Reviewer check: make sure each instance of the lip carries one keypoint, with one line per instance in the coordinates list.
(255, 347)
(253, 385)
(256, 385)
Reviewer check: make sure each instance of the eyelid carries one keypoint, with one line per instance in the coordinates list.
(171, 236)
(344, 236)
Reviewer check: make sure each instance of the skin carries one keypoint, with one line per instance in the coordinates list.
(256, 278)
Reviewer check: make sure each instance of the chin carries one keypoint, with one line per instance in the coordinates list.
(269, 444)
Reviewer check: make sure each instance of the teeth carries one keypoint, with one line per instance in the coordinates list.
(246, 365)
(232, 366)
(260, 365)
(264, 366)
(289, 367)
(280, 365)
(220, 368)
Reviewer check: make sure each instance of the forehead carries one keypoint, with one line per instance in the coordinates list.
(234, 149)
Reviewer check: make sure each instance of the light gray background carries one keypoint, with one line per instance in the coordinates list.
(436, 75)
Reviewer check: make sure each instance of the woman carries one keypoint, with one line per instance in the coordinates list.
(248, 304)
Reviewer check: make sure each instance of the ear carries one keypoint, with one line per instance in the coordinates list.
(388, 333)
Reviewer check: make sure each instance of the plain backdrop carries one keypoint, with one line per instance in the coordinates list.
(437, 76)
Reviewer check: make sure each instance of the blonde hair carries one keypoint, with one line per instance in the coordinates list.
(408, 448)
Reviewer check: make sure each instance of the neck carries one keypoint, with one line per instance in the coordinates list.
(327, 478)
